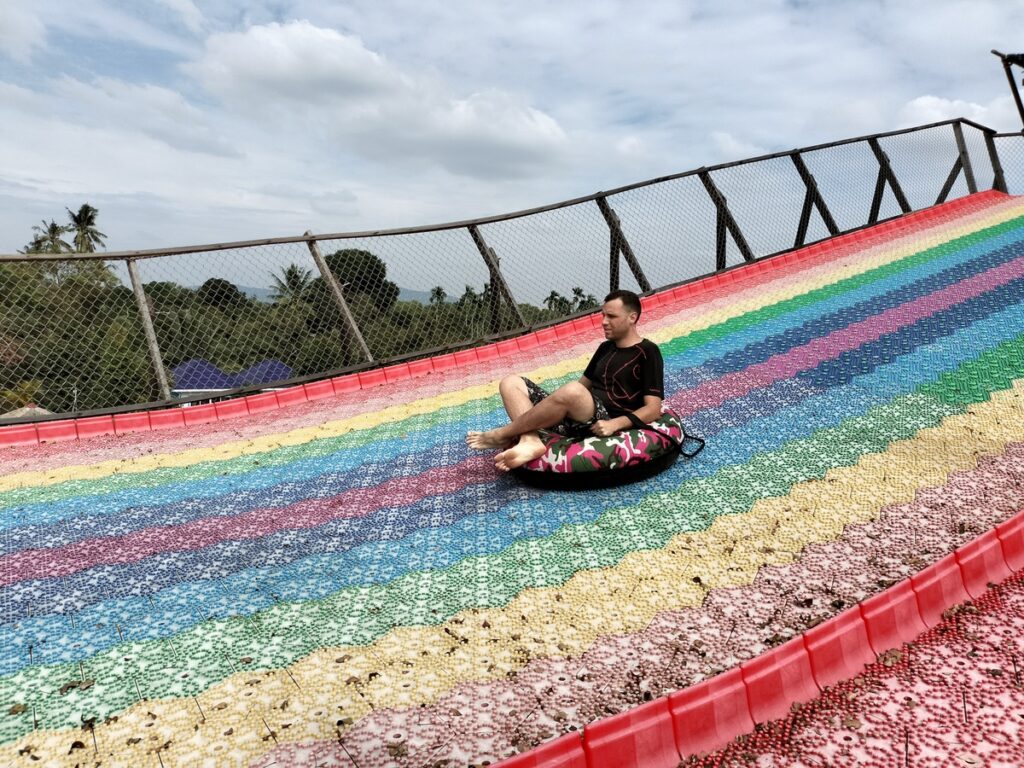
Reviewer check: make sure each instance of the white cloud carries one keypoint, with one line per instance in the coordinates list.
(999, 113)
(359, 100)
(190, 15)
(152, 110)
(226, 122)
(731, 148)
(21, 31)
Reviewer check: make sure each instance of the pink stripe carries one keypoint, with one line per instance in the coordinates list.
(253, 524)
(807, 356)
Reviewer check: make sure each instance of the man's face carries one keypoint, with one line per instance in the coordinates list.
(615, 320)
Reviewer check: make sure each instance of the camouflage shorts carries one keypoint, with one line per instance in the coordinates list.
(568, 427)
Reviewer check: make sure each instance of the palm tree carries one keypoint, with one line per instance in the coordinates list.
(437, 295)
(582, 300)
(83, 224)
(292, 283)
(49, 238)
(558, 304)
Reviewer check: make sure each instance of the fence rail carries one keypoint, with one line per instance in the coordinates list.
(119, 330)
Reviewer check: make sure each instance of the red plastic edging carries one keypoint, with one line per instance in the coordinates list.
(981, 563)
(709, 715)
(638, 738)
(1011, 536)
(564, 752)
(777, 679)
(939, 587)
(892, 617)
(839, 648)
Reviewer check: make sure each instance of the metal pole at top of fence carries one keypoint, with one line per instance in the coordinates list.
(338, 296)
(155, 358)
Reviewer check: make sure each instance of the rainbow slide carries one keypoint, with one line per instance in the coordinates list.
(340, 581)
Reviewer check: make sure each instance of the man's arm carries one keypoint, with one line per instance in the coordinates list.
(586, 382)
(648, 412)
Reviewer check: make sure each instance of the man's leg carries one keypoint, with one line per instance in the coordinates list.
(572, 400)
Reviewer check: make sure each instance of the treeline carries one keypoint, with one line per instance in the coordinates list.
(71, 338)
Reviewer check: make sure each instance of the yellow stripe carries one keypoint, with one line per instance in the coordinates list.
(760, 297)
(415, 665)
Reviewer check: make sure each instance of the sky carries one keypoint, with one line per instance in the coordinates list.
(187, 121)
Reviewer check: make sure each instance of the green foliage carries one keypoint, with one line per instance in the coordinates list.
(362, 272)
(71, 338)
(220, 293)
(83, 224)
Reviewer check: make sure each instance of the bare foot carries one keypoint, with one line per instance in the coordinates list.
(483, 441)
(521, 453)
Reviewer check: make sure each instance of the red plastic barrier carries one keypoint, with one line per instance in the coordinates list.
(94, 426)
(291, 396)
(709, 715)
(421, 367)
(444, 363)
(1011, 536)
(169, 419)
(981, 563)
(548, 336)
(777, 679)
(57, 431)
(395, 373)
(640, 737)
(231, 409)
(318, 390)
(528, 342)
(892, 617)
(563, 752)
(372, 378)
(507, 347)
(131, 422)
(346, 385)
(838, 648)
(199, 414)
(465, 357)
(266, 401)
(939, 587)
(23, 434)
(490, 352)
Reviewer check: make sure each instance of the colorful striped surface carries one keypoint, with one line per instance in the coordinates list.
(343, 582)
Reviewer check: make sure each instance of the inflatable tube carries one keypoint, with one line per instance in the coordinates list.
(598, 462)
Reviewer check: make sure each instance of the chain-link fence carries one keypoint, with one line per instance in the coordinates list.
(88, 332)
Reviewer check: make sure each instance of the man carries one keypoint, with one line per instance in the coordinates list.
(625, 375)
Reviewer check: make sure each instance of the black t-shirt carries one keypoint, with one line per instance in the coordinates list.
(621, 378)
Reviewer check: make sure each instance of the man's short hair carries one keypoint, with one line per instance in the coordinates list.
(630, 301)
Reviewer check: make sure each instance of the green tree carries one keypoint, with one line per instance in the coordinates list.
(437, 295)
(49, 238)
(581, 301)
(363, 272)
(291, 284)
(220, 293)
(83, 224)
(558, 304)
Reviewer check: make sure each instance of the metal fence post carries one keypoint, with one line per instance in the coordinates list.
(621, 245)
(965, 158)
(498, 285)
(885, 175)
(155, 358)
(814, 199)
(613, 261)
(338, 295)
(725, 221)
(998, 180)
